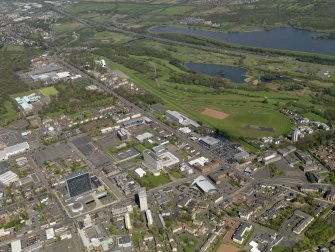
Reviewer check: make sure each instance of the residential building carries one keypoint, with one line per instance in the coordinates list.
(239, 235)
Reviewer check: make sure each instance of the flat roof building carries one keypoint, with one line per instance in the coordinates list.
(177, 117)
(153, 160)
(286, 151)
(241, 156)
(8, 177)
(208, 141)
(136, 122)
(78, 183)
(158, 158)
(144, 136)
(25, 101)
(124, 241)
(16, 246)
(142, 197)
(13, 150)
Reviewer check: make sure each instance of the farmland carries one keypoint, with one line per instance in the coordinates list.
(259, 15)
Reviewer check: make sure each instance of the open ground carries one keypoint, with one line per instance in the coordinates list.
(215, 113)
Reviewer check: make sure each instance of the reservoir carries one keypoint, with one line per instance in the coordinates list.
(279, 38)
(235, 74)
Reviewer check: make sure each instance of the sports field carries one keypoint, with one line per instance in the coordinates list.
(214, 113)
(48, 91)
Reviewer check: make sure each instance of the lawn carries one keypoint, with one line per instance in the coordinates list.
(140, 148)
(67, 27)
(176, 10)
(10, 115)
(187, 243)
(48, 91)
(114, 230)
(150, 181)
(314, 117)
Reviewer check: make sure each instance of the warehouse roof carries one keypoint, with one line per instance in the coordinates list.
(204, 185)
(12, 150)
(8, 177)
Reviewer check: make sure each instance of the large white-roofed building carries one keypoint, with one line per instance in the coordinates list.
(16, 246)
(50, 233)
(13, 150)
(204, 185)
(8, 177)
(176, 117)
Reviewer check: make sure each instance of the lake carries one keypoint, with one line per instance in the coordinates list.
(279, 38)
(235, 74)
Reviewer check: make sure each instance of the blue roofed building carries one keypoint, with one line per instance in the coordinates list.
(25, 101)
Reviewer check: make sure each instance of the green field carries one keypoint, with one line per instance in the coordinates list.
(11, 113)
(48, 91)
(150, 181)
(242, 109)
(67, 27)
(315, 117)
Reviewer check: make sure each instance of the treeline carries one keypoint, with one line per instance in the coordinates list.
(72, 99)
(140, 99)
(200, 79)
(120, 54)
(320, 232)
(315, 140)
(12, 61)
(126, 50)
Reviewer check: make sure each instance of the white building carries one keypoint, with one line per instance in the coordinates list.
(144, 136)
(13, 150)
(152, 160)
(142, 196)
(150, 220)
(127, 221)
(50, 233)
(140, 172)
(296, 134)
(176, 117)
(16, 246)
(159, 159)
(204, 185)
(8, 177)
(199, 162)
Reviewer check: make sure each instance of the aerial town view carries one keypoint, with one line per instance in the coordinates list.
(167, 125)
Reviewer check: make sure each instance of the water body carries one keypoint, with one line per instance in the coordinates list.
(235, 74)
(279, 38)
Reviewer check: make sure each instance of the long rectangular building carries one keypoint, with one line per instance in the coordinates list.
(13, 150)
